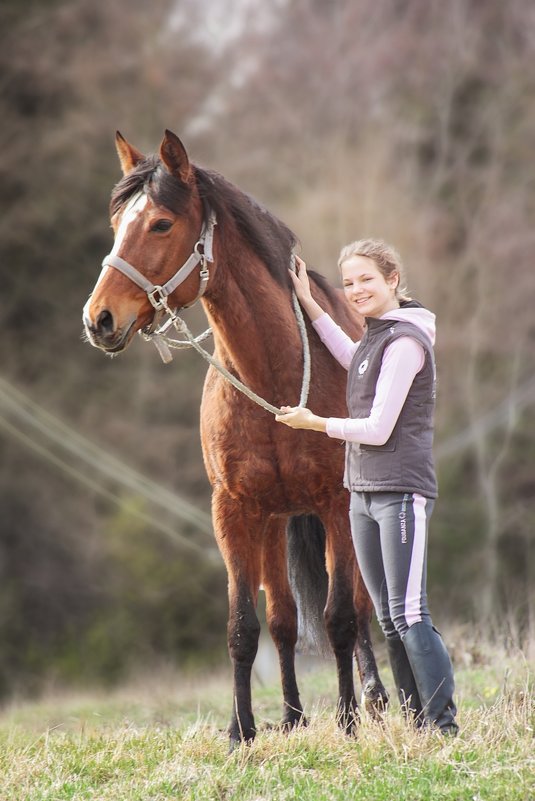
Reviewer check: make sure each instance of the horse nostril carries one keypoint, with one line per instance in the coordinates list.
(105, 322)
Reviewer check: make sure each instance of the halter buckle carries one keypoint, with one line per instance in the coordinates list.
(157, 298)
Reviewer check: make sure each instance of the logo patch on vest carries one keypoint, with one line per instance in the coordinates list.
(363, 366)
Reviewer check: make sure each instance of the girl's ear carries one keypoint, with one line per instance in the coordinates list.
(394, 279)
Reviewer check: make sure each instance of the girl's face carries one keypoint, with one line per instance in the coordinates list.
(367, 289)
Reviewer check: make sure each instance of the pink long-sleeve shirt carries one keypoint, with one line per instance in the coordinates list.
(402, 360)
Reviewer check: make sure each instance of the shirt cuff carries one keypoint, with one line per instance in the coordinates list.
(335, 427)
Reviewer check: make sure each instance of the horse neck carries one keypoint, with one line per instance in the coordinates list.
(254, 325)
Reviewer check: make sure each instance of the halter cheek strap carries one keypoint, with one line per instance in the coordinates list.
(157, 295)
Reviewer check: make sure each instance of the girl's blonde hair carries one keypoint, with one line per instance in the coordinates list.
(386, 258)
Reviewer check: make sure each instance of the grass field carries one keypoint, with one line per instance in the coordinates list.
(162, 737)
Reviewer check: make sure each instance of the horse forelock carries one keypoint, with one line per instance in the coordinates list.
(152, 177)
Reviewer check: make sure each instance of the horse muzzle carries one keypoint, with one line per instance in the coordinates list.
(103, 334)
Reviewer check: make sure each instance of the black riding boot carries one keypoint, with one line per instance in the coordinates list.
(404, 681)
(433, 673)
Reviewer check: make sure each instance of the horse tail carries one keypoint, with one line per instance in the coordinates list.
(309, 581)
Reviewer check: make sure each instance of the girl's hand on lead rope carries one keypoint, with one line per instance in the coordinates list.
(299, 417)
(301, 286)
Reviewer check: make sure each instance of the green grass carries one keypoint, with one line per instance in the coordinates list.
(164, 738)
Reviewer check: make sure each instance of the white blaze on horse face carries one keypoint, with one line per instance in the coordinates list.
(133, 208)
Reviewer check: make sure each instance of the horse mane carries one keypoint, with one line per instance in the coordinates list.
(267, 236)
(270, 239)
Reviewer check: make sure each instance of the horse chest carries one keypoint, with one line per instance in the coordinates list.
(245, 466)
(280, 469)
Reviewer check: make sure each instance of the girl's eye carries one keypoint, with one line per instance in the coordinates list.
(161, 225)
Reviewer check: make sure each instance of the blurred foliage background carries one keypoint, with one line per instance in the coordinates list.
(409, 121)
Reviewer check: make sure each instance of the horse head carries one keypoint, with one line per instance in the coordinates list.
(157, 217)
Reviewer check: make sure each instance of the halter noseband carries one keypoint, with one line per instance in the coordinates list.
(158, 294)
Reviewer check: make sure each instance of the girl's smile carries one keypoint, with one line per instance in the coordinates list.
(367, 289)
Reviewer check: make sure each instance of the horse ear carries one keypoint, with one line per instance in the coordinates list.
(174, 156)
(129, 156)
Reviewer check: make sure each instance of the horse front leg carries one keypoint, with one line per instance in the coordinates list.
(281, 615)
(340, 614)
(239, 540)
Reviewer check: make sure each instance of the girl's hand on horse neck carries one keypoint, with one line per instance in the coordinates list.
(302, 290)
(299, 417)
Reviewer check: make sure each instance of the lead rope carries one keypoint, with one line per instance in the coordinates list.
(163, 343)
(305, 387)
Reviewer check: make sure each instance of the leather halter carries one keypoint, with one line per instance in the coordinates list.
(158, 294)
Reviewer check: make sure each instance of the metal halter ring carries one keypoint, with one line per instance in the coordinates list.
(200, 252)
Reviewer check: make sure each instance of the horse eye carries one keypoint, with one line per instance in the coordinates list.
(161, 225)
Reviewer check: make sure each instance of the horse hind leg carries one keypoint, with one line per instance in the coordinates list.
(374, 695)
(281, 616)
(341, 626)
(311, 555)
(347, 619)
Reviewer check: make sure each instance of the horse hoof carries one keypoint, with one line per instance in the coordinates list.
(375, 700)
(291, 721)
(237, 742)
(349, 721)
(240, 737)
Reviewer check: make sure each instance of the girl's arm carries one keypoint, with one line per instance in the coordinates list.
(402, 360)
(337, 341)
(340, 345)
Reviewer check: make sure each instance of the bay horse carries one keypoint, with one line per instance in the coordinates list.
(271, 485)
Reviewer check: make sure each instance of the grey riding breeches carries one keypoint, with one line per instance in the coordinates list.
(389, 531)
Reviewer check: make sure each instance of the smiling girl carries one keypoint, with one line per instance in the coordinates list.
(389, 463)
